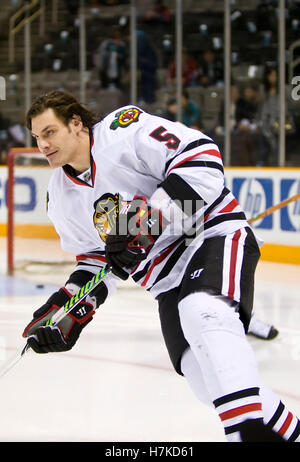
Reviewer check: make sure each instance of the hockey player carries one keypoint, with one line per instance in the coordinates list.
(147, 197)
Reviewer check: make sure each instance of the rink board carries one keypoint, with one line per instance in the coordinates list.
(256, 189)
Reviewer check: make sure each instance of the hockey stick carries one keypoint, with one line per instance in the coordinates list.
(64, 311)
(274, 208)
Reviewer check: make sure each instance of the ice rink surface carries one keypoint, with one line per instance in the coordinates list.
(117, 384)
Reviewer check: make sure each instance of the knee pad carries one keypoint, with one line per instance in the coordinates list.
(202, 312)
(217, 338)
(194, 376)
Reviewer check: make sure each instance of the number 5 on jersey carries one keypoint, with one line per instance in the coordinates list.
(172, 142)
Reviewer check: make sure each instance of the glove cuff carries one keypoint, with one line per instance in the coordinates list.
(47, 310)
(81, 277)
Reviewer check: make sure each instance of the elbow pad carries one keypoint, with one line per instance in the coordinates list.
(180, 209)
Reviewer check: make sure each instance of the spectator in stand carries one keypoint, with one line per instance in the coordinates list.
(243, 152)
(249, 117)
(110, 60)
(11, 136)
(250, 104)
(147, 62)
(190, 70)
(191, 114)
(158, 14)
(270, 118)
(235, 110)
(211, 69)
(147, 66)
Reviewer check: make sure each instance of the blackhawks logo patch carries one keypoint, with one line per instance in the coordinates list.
(107, 209)
(125, 118)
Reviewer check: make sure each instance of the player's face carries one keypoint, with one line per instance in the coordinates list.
(57, 141)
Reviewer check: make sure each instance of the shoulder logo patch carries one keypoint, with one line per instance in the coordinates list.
(125, 118)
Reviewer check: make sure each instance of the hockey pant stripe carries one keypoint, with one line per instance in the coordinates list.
(232, 264)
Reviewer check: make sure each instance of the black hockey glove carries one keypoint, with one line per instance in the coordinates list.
(133, 236)
(42, 337)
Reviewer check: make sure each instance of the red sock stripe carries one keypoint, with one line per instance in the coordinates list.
(240, 410)
(286, 424)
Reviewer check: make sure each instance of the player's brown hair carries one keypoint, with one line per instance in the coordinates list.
(64, 105)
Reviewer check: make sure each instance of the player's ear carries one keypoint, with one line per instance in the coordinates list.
(76, 122)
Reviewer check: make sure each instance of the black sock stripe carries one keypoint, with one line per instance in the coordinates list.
(237, 427)
(236, 395)
(295, 433)
(277, 415)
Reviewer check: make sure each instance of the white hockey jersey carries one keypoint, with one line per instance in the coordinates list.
(132, 153)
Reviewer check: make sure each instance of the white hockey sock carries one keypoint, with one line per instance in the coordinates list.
(278, 417)
(218, 341)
